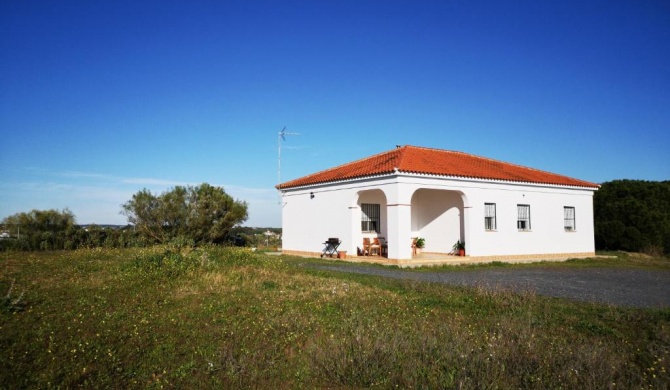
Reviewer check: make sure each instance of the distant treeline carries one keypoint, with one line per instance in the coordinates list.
(50, 236)
(25, 238)
(189, 215)
(633, 215)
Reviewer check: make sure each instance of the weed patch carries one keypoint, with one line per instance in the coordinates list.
(11, 302)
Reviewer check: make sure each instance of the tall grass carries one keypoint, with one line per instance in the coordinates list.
(229, 318)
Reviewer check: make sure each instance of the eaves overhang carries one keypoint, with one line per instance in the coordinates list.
(397, 173)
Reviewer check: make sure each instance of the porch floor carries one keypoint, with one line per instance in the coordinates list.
(420, 260)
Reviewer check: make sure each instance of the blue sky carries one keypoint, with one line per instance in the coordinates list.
(99, 100)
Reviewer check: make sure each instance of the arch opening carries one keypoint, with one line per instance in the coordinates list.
(438, 216)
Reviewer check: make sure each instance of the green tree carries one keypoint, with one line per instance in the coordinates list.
(204, 214)
(41, 229)
(144, 211)
(633, 215)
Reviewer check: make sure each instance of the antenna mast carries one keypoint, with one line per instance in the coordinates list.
(282, 136)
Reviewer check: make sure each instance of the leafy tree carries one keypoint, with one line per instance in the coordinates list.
(204, 214)
(633, 215)
(41, 229)
(144, 211)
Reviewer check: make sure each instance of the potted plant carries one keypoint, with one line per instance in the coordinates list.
(419, 244)
(459, 247)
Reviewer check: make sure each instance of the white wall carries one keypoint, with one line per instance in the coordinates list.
(308, 222)
(334, 211)
(455, 211)
(547, 233)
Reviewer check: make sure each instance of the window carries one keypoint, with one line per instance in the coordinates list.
(523, 217)
(569, 219)
(490, 216)
(370, 217)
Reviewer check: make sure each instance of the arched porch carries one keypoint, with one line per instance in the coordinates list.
(437, 215)
(371, 217)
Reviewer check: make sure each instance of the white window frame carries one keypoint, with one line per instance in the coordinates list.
(523, 217)
(569, 219)
(370, 217)
(490, 223)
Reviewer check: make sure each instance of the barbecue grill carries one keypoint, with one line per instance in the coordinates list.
(330, 247)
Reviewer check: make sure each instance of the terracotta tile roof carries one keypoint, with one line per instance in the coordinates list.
(420, 160)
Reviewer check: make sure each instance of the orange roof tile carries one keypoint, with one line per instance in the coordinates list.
(420, 160)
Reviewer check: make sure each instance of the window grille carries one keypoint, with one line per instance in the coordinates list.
(490, 216)
(370, 217)
(523, 217)
(569, 218)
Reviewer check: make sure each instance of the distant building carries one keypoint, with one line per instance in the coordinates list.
(500, 210)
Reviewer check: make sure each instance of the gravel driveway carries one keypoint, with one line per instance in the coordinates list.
(618, 287)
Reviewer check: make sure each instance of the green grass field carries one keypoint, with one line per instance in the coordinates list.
(229, 318)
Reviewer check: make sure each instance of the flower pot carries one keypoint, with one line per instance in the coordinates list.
(342, 254)
(461, 252)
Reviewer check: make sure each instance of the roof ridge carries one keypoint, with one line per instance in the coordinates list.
(401, 157)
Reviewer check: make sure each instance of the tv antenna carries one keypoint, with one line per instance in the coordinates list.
(282, 137)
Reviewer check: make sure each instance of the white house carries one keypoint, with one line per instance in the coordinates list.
(500, 210)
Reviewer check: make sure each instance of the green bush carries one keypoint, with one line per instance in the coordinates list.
(633, 215)
(166, 264)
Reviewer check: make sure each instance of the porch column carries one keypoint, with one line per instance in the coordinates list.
(399, 239)
(354, 239)
(466, 229)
